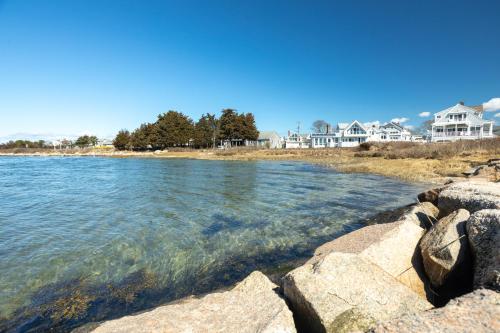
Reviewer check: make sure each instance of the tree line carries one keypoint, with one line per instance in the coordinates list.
(23, 144)
(82, 142)
(175, 129)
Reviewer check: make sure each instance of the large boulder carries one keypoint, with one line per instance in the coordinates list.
(483, 230)
(252, 306)
(343, 292)
(470, 195)
(444, 248)
(391, 246)
(477, 312)
(423, 214)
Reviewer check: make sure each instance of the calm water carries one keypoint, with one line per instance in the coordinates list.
(105, 236)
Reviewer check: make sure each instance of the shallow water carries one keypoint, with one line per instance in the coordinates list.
(121, 235)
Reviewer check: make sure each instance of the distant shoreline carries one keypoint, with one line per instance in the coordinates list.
(414, 163)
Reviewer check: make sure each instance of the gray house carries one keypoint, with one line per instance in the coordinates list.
(269, 139)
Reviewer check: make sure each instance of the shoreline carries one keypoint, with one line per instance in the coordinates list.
(416, 170)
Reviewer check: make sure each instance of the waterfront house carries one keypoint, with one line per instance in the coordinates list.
(269, 139)
(345, 135)
(390, 131)
(461, 122)
(296, 140)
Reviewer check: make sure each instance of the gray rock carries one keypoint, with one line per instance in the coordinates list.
(470, 195)
(483, 230)
(252, 306)
(477, 312)
(343, 292)
(444, 247)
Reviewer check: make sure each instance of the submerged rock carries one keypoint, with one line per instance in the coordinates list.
(470, 195)
(391, 246)
(343, 292)
(252, 306)
(483, 230)
(445, 249)
(477, 312)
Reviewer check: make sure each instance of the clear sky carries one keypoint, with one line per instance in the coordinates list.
(97, 66)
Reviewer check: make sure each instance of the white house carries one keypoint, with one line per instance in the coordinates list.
(390, 132)
(269, 139)
(460, 122)
(345, 135)
(295, 140)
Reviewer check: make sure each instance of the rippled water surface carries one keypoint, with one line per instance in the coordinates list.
(105, 236)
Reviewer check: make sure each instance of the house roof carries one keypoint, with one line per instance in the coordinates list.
(267, 135)
(342, 126)
(358, 123)
(472, 115)
(393, 124)
(456, 109)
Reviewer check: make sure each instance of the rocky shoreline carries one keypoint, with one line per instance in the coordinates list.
(430, 267)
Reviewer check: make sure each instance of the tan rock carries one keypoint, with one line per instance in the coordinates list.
(343, 292)
(477, 312)
(444, 247)
(252, 306)
(423, 214)
(392, 246)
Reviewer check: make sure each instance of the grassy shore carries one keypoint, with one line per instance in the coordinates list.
(408, 161)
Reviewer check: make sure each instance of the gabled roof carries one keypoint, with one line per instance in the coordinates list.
(267, 135)
(353, 123)
(393, 124)
(459, 108)
(472, 116)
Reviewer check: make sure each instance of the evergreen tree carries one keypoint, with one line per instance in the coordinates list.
(234, 126)
(122, 140)
(250, 131)
(93, 140)
(229, 125)
(83, 141)
(174, 129)
(205, 131)
(144, 137)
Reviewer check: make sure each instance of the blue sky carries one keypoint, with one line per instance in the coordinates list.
(70, 67)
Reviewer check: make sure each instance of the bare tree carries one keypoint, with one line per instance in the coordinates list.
(319, 126)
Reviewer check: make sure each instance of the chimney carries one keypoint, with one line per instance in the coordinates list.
(327, 128)
(461, 102)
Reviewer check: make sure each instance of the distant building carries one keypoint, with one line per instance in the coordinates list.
(297, 141)
(345, 135)
(269, 139)
(105, 143)
(391, 131)
(461, 122)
